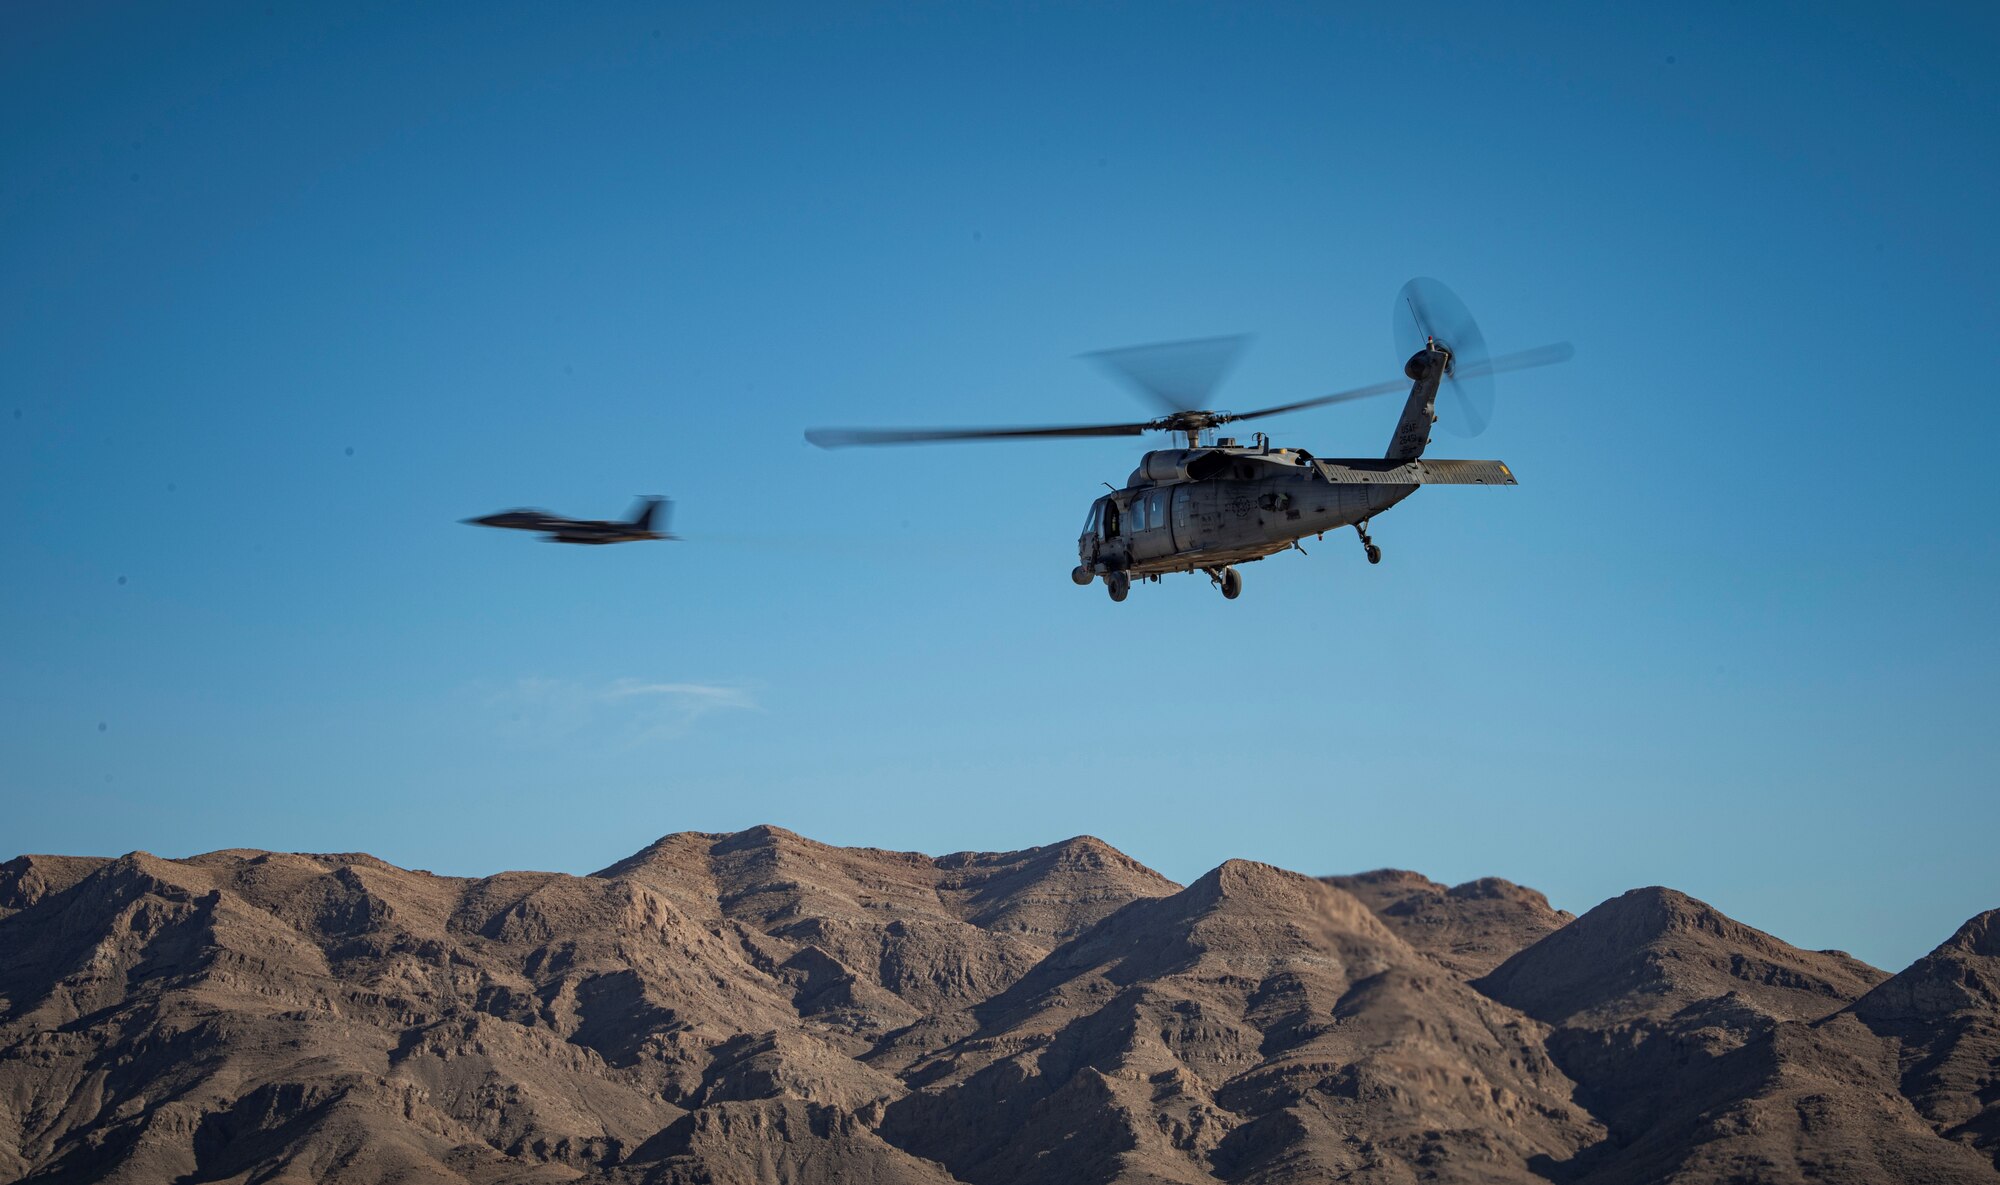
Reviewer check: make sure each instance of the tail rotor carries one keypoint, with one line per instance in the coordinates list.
(1429, 313)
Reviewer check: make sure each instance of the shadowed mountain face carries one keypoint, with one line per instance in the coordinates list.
(758, 1007)
(1715, 1052)
(1943, 1015)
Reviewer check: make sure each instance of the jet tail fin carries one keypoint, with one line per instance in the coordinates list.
(648, 514)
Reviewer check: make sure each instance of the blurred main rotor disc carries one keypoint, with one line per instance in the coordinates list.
(1177, 375)
(1426, 309)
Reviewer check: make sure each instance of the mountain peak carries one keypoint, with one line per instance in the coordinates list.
(1961, 976)
(765, 835)
(1660, 907)
(1469, 928)
(1401, 878)
(24, 880)
(1243, 898)
(1255, 883)
(1979, 936)
(1493, 888)
(1653, 950)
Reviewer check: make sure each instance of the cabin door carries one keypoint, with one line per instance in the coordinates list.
(1152, 532)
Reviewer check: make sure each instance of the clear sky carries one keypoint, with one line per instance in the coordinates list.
(286, 291)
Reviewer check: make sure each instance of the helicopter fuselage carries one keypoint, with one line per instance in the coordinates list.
(1186, 510)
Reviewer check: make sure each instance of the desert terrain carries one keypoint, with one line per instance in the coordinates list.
(759, 1007)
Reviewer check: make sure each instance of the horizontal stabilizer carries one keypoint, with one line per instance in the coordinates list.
(1368, 471)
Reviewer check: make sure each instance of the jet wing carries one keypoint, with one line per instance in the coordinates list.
(1374, 471)
(519, 520)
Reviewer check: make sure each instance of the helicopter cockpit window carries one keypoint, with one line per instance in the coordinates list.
(1090, 521)
(1138, 515)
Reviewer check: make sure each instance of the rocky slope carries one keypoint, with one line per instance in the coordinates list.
(758, 1007)
(1470, 928)
(1942, 1016)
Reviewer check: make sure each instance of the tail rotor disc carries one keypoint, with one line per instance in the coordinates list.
(1427, 311)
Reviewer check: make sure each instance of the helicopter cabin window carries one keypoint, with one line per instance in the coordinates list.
(1156, 517)
(1138, 515)
(1180, 508)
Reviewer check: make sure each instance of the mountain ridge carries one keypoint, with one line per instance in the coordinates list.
(758, 1006)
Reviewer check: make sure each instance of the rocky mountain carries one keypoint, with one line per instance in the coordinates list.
(1713, 1051)
(1470, 928)
(1943, 1017)
(757, 1007)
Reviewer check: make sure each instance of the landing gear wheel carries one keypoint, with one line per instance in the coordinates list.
(1232, 583)
(1081, 575)
(1118, 585)
(1374, 552)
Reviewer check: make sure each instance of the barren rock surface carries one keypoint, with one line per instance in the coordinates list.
(1470, 928)
(757, 1007)
(1716, 1052)
(1943, 1017)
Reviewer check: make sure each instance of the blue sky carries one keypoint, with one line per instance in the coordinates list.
(287, 292)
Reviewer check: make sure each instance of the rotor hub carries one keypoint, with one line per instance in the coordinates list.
(1191, 424)
(1432, 355)
(1190, 421)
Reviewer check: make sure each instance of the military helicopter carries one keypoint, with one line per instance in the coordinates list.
(1215, 503)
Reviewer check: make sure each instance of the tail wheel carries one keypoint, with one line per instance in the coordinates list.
(1232, 583)
(1374, 554)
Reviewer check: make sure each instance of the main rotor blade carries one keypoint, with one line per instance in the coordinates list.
(1178, 376)
(848, 437)
(1519, 360)
(1322, 401)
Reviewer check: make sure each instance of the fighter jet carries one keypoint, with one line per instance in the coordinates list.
(557, 529)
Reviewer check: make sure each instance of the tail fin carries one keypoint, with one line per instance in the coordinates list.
(1413, 431)
(649, 509)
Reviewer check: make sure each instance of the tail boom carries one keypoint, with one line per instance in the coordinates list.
(1426, 369)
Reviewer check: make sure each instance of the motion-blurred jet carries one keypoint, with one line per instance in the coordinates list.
(557, 529)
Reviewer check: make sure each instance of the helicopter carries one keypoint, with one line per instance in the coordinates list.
(1215, 503)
